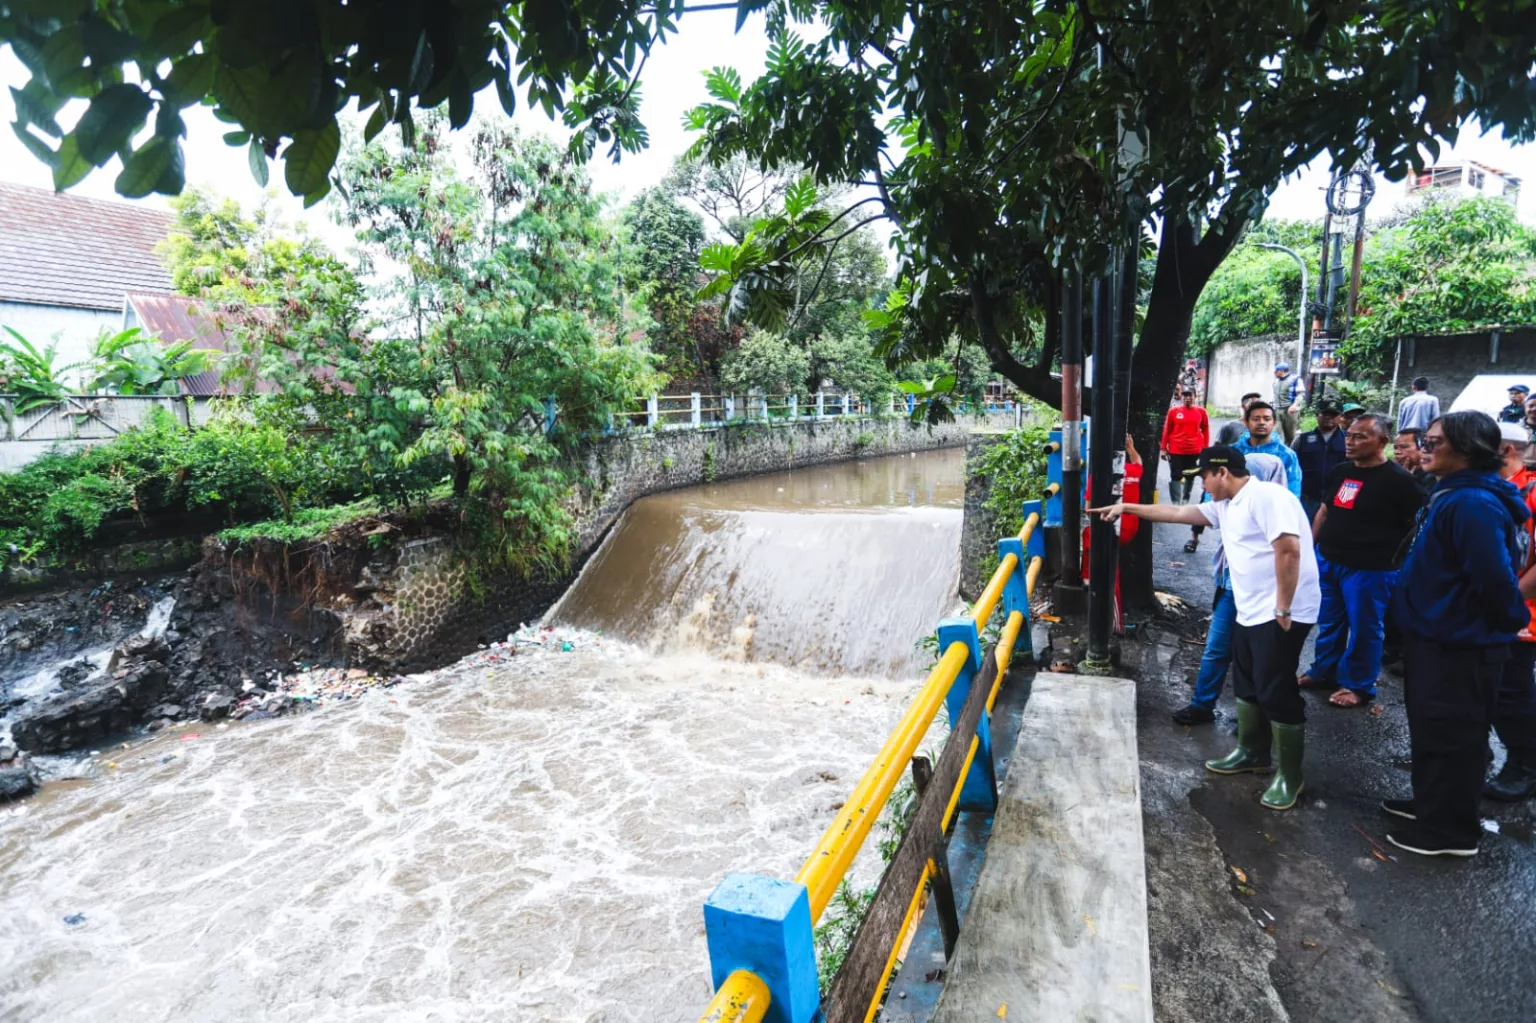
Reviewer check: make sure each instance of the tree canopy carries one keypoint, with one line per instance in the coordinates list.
(278, 74)
(1440, 266)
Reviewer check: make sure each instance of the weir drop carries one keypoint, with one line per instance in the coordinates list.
(523, 839)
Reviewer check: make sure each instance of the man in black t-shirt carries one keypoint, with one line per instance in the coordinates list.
(1368, 510)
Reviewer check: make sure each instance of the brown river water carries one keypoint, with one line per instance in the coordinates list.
(529, 838)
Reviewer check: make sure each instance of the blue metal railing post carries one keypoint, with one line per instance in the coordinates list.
(1052, 516)
(1016, 590)
(979, 793)
(758, 924)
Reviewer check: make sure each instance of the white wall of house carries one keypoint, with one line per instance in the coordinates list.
(75, 329)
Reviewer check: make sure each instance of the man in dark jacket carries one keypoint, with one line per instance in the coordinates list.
(1459, 605)
(1319, 451)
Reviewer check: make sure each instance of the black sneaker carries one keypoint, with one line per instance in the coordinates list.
(1410, 838)
(1194, 715)
(1399, 808)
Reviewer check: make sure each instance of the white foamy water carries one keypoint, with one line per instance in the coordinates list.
(530, 840)
(45, 680)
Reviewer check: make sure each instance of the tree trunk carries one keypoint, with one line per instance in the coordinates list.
(1184, 265)
(462, 470)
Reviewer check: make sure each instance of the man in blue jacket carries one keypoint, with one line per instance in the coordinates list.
(1318, 451)
(1459, 605)
(1260, 439)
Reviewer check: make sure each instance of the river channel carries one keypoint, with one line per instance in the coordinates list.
(523, 837)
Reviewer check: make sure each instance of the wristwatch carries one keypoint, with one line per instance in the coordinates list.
(1281, 612)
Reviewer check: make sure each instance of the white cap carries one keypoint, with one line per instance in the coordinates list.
(1514, 433)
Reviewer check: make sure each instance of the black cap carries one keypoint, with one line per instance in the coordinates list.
(1220, 456)
(1329, 407)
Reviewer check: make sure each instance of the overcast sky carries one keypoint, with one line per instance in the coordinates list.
(672, 82)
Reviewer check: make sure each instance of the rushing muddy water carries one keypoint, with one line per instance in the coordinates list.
(831, 569)
(527, 838)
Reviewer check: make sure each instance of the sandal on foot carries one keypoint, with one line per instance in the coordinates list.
(1190, 546)
(1343, 697)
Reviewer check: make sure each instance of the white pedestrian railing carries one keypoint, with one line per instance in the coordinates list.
(698, 409)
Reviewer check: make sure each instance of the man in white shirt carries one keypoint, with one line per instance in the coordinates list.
(1419, 409)
(1268, 547)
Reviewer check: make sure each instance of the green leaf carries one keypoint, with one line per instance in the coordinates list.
(461, 99)
(105, 43)
(35, 145)
(177, 31)
(309, 157)
(236, 138)
(257, 157)
(35, 104)
(800, 197)
(155, 167)
(71, 167)
(317, 194)
(376, 122)
(239, 92)
(113, 117)
(191, 77)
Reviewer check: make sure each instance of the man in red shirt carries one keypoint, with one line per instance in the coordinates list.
(1186, 433)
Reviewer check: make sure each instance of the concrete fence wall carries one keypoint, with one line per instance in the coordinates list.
(1237, 367)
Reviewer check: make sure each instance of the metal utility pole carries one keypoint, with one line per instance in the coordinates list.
(1103, 541)
(1069, 593)
(1301, 324)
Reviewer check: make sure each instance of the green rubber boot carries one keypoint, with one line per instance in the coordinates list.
(1253, 740)
(1290, 741)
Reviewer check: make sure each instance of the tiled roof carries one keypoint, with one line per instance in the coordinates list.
(66, 250)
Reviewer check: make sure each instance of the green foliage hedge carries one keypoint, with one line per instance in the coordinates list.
(233, 470)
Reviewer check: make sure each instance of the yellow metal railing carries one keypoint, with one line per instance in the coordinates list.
(743, 998)
(829, 861)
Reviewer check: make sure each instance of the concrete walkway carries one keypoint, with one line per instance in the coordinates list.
(1057, 927)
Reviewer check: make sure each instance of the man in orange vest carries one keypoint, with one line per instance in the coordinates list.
(1514, 718)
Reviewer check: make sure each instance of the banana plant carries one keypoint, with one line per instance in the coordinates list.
(131, 362)
(31, 374)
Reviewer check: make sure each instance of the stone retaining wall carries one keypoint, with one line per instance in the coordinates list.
(424, 604)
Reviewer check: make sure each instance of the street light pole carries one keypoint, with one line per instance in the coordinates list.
(1301, 324)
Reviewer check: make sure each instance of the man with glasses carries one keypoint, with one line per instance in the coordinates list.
(1186, 432)
(1460, 607)
(1368, 508)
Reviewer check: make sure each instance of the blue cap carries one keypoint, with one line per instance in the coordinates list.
(1286, 366)
(1519, 387)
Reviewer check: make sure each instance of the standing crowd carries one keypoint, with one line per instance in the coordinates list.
(1406, 542)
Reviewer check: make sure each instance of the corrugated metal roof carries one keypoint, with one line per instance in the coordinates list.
(173, 318)
(67, 250)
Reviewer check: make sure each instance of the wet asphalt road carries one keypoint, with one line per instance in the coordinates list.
(1311, 915)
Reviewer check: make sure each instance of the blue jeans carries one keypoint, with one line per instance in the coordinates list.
(1351, 625)
(1218, 651)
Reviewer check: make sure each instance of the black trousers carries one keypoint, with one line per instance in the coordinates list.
(1451, 693)
(1264, 663)
(1179, 466)
(1514, 716)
